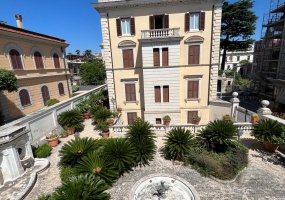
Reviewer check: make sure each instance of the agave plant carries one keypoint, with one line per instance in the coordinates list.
(71, 119)
(142, 138)
(73, 150)
(120, 153)
(83, 187)
(219, 134)
(94, 163)
(179, 142)
(269, 130)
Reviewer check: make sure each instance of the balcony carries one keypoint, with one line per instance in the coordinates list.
(160, 33)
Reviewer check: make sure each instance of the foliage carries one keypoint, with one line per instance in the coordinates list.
(51, 102)
(73, 150)
(63, 134)
(102, 125)
(243, 62)
(178, 143)
(83, 187)
(83, 106)
(8, 80)
(255, 116)
(238, 25)
(92, 73)
(218, 135)
(269, 130)
(143, 139)
(166, 118)
(94, 163)
(74, 88)
(94, 109)
(71, 119)
(98, 97)
(43, 151)
(44, 197)
(66, 173)
(220, 72)
(51, 136)
(227, 117)
(102, 115)
(120, 153)
(242, 82)
(280, 115)
(230, 73)
(223, 166)
(196, 118)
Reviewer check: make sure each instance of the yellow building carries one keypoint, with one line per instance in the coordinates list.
(38, 62)
(161, 57)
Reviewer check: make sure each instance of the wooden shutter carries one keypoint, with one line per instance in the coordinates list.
(157, 94)
(38, 60)
(165, 93)
(133, 27)
(151, 22)
(16, 59)
(119, 29)
(158, 120)
(131, 117)
(187, 23)
(130, 92)
(194, 54)
(56, 61)
(193, 89)
(191, 114)
(156, 60)
(128, 59)
(24, 97)
(166, 21)
(61, 89)
(202, 21)
(45, 94)
(164, 56)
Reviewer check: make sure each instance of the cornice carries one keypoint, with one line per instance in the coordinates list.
(103, 6)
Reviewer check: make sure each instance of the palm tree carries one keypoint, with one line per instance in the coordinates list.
(83, 187)
(88, 55)
(142, 138)
(179, 142)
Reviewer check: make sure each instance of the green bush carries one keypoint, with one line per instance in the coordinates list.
(71, 119)
(66, 173)
(94, 109)
(51, 102)
(102, 115)
(178, 143)
(43, 151)
(44, 197)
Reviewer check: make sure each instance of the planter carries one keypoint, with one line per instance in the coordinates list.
(105, 135)
(70, 131)
(86, 115)
(270, 147)
(53, 141)
(119, 110)
(254, 120)
(196, 121)
(110, 122)
(166, 122)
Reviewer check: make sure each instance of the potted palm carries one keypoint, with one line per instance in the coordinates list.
(254, 118)
(227, 118)
(84, 108)
(52, 139)
(270, 132)
(102, 115)
(119, 109)
(71, 120)
(116, 114)
(196, 119)
(63, 134)
(103, 125)
(110, 121)
(166, 120)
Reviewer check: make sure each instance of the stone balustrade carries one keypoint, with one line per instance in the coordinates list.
(160, 33)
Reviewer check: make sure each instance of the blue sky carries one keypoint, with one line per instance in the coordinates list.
(76, 21)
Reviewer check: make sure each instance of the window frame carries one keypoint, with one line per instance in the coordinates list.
(40, 59)
(193, 78)
(191, 110)
(160, 56)
(125, 18)
(42, 97)
(32, 53)
(28, 95)
(120, 25)
(61, 94)
(123, 64)
(161, 90)
(193, 41)
(124, 90)
(7, 48)
(198, 25)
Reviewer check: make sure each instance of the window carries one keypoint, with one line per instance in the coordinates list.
(194, 54)
(194, 21)
(128, 60)
(164, 56)
(130, 89)
(229, 66)
(156, 57)
(164, 95)
(190, 116)
(25, 97)
(158, 121)
(132, 116)
(56, 60)
(193, 89)
(60, 89)
(16, 59)
(238, 58)
(125, 26)
(157, 94)
(38, 60)
(45, 94)
(248, 57)
(158, 21)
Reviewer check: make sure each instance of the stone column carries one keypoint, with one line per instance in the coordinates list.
(235, 103)
(263, 111)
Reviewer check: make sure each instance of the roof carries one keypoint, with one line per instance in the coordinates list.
(28, 33)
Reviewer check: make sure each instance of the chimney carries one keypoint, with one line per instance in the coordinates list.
(19, 21)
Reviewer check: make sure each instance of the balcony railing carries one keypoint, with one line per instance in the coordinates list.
(160, 33)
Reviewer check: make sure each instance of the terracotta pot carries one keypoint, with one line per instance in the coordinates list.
(53, 141)
(119, 110)
(254, 120)
(86, 115)
(105, 135)
(196, 121)
(70, 131)
(166, 122)
(270, 147)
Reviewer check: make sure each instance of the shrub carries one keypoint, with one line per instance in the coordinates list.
(43, 151)
(66, 173)
(71, 119)
(83, 187)
(142, 138)
(166, 118)
(94, 109)
(51, 102)
(102, 115)
(179, 142)
(218, 135)
(44, 197)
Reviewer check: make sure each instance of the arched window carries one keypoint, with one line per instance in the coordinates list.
(56, 60)
(61, 89)
(16, 60)
(38, 60)
(25, 97)
(45, 94)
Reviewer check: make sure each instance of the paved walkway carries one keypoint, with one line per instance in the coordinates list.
(264, 178)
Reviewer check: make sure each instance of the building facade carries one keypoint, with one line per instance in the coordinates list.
(38, 63)
(161, 57)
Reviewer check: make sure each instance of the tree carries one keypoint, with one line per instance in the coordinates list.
(238, 25)
(88, 57)
(8, 81)
(92, 73)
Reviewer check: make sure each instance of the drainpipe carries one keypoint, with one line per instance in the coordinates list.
(65, 70)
